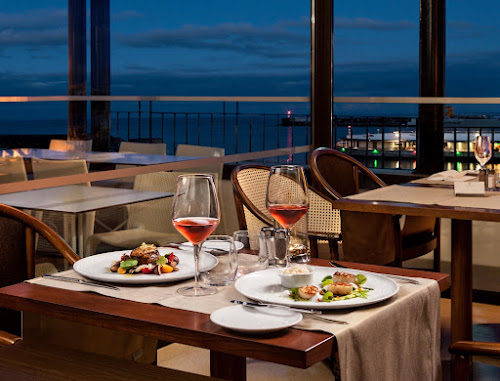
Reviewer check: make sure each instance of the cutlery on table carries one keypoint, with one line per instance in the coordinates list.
(311, 313)
(398, 277)
(81, 281)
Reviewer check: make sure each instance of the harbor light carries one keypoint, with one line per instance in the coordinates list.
(375, 151)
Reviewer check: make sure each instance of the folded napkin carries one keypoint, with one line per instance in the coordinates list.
(450, 175)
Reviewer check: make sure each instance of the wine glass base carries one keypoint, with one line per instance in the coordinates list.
(197, 290)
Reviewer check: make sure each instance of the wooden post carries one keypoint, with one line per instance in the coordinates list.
(321, 72)
(77, 68)
(430, 127)
(100, 74)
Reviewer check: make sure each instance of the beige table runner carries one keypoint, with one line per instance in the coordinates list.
(389, 340)
(429, 196)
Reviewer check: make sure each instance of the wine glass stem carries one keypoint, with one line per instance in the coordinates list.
(196, 251)
(287, 246)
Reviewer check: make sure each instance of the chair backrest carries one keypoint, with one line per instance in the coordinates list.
(155, 215)
(12, 169)
(70, 145)
(202, 151)
(43, 169)
(17, 253)
(250, 184)
(144, 148)
(339, 174)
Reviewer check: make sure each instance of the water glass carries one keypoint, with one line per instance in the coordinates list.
(252, 251)
(222, 247)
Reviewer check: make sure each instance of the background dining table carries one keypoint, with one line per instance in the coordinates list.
(77, 200)
(95, 157)
(294, 347)
(417, 199)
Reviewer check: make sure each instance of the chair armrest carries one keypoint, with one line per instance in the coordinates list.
(475, 348)
(8, 338)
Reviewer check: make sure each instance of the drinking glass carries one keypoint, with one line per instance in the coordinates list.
(252, 251)
(222, 247)
(286, 198)
(482, 151)
(196, 214)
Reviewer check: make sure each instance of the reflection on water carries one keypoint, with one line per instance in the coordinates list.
(392, 164)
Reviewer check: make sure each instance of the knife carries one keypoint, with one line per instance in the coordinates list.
(401, 278)
(314, 314)
(77, 280)
(248, 304)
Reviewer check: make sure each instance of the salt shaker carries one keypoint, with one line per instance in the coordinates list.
(267, 235)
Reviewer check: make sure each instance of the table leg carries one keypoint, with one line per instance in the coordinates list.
(80, 227)
(461, 280)
(228, 367)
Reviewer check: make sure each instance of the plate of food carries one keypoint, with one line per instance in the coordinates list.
(142, 265)
(324, 288)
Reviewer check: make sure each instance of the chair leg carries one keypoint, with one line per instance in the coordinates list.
(461, 368)
(437, 251)
(334, 249)
(313, 243)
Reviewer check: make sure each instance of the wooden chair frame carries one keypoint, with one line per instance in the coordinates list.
(32, 226)
(402, 253)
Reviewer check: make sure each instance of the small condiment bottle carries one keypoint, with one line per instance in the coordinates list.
(490, 179)
(483, 174)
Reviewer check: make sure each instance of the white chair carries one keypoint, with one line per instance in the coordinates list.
(64, 222)
(202, 151)
(139, 148)
(70, 145)
(12, 170)
(149, 221)
(250, 183)
(144, 148)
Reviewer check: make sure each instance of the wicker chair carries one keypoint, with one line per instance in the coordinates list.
(250, 184)
(367, 237)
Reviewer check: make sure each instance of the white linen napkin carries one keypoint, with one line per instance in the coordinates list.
(450, 175)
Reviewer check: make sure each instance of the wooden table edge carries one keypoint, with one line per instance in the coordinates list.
(186, 327)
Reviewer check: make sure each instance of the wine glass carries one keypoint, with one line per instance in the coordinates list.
(286, 198)
(196, 214)
(482, 151)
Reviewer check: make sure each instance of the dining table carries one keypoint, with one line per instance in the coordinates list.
(76, 201)
(228, 349)
(95, 157)
(435, 199)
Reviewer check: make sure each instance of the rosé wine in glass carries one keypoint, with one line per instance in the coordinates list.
(196, 214)
(286, 198)
(288, 215)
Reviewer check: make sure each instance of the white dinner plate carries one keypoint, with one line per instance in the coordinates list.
(213, 244)
(255, 320)
(97, 267)
(265, 286)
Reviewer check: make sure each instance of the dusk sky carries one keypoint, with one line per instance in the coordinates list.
(251, 47)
